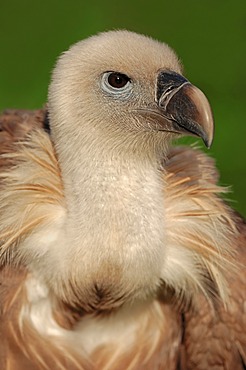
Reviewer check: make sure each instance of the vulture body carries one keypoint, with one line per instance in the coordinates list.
(116, 248)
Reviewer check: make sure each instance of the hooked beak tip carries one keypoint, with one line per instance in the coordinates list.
(203, 115)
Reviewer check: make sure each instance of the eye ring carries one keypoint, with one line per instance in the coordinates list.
(116, 83)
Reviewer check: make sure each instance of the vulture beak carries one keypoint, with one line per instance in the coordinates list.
(184, 107)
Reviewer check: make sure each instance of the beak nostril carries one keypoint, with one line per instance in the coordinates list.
(168, 94)
(167, 81)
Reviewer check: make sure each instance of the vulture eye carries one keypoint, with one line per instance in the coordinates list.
(118, 80)
(116, 83)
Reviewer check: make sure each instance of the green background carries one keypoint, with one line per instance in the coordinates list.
(209, 37)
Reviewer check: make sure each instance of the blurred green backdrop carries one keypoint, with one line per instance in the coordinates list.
(208, 35)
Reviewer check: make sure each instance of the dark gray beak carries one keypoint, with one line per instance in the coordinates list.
(184, 106)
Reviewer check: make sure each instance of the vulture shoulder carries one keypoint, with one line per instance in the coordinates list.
(215, 338)
(16, 124)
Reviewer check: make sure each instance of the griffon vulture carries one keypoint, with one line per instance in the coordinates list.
(117, 250)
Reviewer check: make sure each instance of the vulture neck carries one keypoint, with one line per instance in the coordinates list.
(115, 219)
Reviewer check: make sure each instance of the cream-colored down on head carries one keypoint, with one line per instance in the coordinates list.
(112, 232)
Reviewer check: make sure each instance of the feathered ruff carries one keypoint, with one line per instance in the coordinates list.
(31, 193)
(199, 226)
(31, 197)
(199, 223)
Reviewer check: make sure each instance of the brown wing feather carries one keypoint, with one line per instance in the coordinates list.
(216, 339)
(15, 125)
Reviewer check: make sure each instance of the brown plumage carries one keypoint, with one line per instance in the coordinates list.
(117, 251)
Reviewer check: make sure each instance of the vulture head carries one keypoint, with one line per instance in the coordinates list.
(125, 92)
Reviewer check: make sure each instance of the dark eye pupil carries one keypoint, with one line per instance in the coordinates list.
(117, 80)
